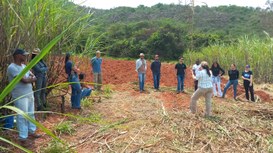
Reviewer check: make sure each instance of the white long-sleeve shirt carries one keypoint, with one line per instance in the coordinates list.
(139, 63)
(204, 80)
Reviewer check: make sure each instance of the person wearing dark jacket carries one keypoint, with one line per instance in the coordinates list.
(40, 70)
(155, 67)
(217, 72)
(233, 74)
(247, 76)
(181, 71)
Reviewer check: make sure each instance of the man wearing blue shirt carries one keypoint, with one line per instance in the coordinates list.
(96, 68)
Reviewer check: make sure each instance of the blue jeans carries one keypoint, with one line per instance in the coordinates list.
(180, 83)
(156, 77)
(76, 91)
(26, 104)
(86, 92)
(40, 92)
(234, 83)
(141, 78)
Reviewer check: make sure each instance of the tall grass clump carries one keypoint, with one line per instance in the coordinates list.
(35, 23)
(258, 53)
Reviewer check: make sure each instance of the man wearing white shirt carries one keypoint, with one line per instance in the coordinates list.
(141, 67)
(195, 68)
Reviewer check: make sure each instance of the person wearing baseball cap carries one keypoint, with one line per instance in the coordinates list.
(141, 67)
(247, 76)
(40, 70)
(23, 95)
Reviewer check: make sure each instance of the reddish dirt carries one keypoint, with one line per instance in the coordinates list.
(119, 72)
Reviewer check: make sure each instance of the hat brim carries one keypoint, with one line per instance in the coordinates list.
(26, 53)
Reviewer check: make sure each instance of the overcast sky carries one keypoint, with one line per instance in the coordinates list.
(107, 4)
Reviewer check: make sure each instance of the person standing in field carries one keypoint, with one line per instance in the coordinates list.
(23, 96)
(181, 73)
(247, 76)
(217, 73)
(40, 70)
(233, 74)
(96, 68)
(72, 75)
(155, 67)
(195, 68)
(203, 75)
(141, 67)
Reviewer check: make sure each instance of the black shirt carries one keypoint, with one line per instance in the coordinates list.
(233, 74)
(247, 75)
(216, 71)
(155, 67)
(180, 68)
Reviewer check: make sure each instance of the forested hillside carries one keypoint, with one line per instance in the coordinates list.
(169, 30)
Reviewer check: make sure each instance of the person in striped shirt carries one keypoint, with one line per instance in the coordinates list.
(205, 88)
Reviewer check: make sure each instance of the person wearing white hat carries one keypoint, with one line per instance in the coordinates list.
(141, 67)
(96, 68)
(40, 70)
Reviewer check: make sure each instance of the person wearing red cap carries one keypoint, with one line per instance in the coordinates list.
(247, 76)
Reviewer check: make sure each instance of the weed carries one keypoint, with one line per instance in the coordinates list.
(65, 127)
(57, 147)
(88, 103)
(107, 91)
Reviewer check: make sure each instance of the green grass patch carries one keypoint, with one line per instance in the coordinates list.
(65, 127)
(57, 147)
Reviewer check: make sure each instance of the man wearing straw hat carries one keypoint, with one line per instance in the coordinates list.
(141, 67)
(40, 70)
(96, 68)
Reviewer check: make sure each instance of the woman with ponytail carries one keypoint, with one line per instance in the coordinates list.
(72, 74)
(205, 88)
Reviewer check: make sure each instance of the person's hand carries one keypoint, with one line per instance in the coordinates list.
(250, 84)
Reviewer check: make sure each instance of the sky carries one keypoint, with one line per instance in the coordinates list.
(107, 4)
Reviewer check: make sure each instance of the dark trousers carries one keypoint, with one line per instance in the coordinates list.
(40, 93)
(195, 85)
(250, 89)
(156, 77)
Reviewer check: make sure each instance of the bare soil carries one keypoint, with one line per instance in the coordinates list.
(159, 121)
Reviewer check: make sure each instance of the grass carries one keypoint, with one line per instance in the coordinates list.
(56, 147)
(254, 51)
(65, 127)
(86, 103)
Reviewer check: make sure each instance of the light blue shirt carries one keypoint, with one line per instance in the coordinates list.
(96, 64)
(21, 88)
(204, 80)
